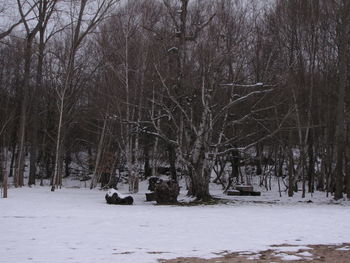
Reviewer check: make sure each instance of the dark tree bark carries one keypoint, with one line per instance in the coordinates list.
(44, 16)
(311, 166)
(259, 153)
(147, 167)
(291, 179)
(172, 162)
(343, 37)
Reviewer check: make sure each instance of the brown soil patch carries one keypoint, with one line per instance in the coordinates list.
(316, 254)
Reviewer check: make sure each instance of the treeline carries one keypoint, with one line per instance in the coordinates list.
(189, 83)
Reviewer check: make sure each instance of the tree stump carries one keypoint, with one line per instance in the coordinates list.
(150, 197)
(166, 192)
(104, 179)
(152, 183)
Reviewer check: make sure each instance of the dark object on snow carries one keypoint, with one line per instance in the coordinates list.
(150, 197)
(152, 183)
(114, 199)
(127, 200)
(244, 188)
(242, 193)
(166, 192)
(233, 192)
(255, 193)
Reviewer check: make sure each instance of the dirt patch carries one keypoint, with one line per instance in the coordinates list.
(280, 253)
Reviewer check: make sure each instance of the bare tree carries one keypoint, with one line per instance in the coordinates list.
(79, 32)
(23, 19)
(4, 157)
(45, 12)
(30, 36)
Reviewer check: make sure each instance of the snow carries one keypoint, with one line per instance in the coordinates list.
(254, 257)
(76, 225)
(343, 249)
(287, 257)
(112, 191)
(290, 248)
(305, 254)
(282, 252)
(173, 49)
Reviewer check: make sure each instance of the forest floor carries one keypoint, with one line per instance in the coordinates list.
(75, 225)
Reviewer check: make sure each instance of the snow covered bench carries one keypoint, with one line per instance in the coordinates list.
(243, 190)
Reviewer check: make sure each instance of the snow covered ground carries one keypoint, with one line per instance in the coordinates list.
(76, 225)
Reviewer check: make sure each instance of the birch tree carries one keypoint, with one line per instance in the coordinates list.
(125, 57)
(4, 156)
(83, 22)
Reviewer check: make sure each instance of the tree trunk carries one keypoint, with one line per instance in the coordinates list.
(321, 177)
(311, 167)
(259, 152)
(347, 173)
(3, 162)
(291, 180)
(172, 161)
(19, 177)
(58, 147)
(97, 169)
(147, 166)
(200, 176)
(4, 183)
(13, 158)
(35, 120)
(67, 162)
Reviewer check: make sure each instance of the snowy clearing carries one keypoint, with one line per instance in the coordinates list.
(76, 225)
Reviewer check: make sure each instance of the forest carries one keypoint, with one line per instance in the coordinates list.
(110, 90)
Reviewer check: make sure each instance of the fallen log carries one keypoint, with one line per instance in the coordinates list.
(115, 198)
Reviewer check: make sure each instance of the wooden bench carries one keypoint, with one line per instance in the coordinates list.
(243, 190)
